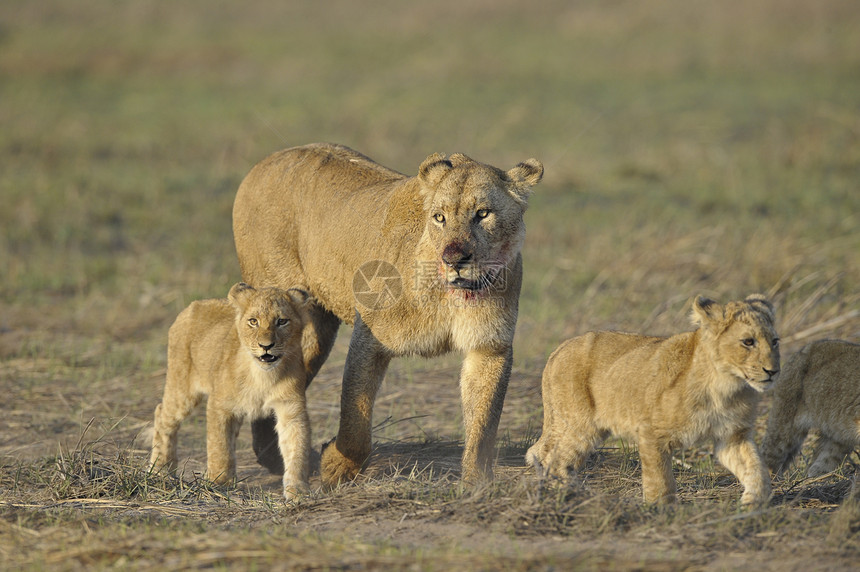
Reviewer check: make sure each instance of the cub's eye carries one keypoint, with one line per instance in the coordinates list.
(775, 342)
(482, 214)
(282, 321)
(439, 217)
(252, 322)
(748, 342)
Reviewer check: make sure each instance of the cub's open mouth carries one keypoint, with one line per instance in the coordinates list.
(268, 358)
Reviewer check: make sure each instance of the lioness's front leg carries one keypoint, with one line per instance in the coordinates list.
(366, 362)
(483, 384)
(740, 456)
(294, 442)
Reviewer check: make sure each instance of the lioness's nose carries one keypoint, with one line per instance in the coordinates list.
(454, 255)
(771, 372)
(267, 347)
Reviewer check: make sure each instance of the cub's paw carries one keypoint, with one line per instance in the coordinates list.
(534, 459)
(756, 497)
(294, 492)
(335, 467)
(754, 501)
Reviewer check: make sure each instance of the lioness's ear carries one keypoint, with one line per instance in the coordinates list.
(300, 298)
(706, 311)
(458, 159)
(433, 168)
(762, 304)
(239, 294)
(529, 172)
(524, 176)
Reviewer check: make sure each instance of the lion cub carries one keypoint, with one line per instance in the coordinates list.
(820, 389)
(663, 393)
(245, 353)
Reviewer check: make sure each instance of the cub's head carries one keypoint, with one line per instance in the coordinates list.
(742, 338)
(474, 216)
(269, 322)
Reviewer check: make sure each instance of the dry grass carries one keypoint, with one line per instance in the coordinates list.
(709, 148)
(83, 508)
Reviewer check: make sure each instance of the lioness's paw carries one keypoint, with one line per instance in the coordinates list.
(335, 467)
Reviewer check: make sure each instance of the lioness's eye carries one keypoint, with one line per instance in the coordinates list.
(252, 322)
(283, 321)
(748, 342)
(439, 217)
(482, 214)
(775, 342)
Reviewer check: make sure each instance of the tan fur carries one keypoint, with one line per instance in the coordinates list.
(244, 352)
(314, 215)
(663, 393)
(819, 389)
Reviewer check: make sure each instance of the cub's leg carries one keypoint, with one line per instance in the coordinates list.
(169, 414)
(740, 456)
(366, 362)
(537, 453)
(318, 338)
(784, 436)
(569, 432)
(827, 457)
(787, 425)
(483, 384)
(781, 445)
(222, 427)
(658, 482)
(294, 442)
(572, 444)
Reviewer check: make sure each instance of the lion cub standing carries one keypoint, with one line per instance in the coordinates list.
(820, 388)
(663, 393)
(245, 354)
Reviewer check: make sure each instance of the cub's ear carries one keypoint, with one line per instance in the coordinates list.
(706, 312)
(239, 293)
(529, 172)
(300, 297)
(433, 168)
(762, 304)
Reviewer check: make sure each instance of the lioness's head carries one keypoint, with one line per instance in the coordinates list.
(474, 216)
(269, 322)
(742, 337)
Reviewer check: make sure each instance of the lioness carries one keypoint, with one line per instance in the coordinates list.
(419, 265)
(663, 393)
(819, 389)
(245, 354)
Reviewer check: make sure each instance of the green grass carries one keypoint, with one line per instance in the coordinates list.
(689, 148)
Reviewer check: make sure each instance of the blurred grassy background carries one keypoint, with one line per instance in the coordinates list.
(690, 147)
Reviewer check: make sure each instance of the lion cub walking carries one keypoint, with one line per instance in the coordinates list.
(245, 354)
(663, 393)
(819, 389)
